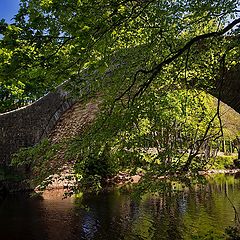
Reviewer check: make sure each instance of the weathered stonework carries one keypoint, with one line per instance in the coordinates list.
(26, 126)
(229, 88)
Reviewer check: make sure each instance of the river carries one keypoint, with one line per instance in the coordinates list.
(202, 212)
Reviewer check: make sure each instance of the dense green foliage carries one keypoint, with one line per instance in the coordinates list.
(40, 159)
(135, 42)
(148, 60)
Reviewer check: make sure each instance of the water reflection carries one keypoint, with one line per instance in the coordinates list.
(201, 212)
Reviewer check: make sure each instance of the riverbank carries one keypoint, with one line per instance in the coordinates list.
(67, 182)
(214, 171)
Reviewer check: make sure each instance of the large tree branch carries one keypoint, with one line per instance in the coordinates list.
(156, 70)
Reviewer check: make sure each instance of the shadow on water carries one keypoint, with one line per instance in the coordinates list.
(201, 212)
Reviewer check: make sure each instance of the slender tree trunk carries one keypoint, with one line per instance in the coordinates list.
(188, 163)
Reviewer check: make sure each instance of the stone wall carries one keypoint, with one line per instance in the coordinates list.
(229, 88)
(26, 126)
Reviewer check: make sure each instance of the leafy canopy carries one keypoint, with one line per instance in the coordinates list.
(52, 41)
(149, 60)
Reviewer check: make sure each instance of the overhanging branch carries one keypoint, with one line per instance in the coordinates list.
(156, 70)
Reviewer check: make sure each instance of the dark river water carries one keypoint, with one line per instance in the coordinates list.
(202, 212)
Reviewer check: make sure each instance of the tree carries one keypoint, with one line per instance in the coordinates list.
(140, 56)
(52, 41)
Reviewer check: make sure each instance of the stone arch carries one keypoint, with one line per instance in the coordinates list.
(26, 126)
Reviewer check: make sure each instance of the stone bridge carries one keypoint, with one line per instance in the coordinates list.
(26, 126)
(229, 88)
